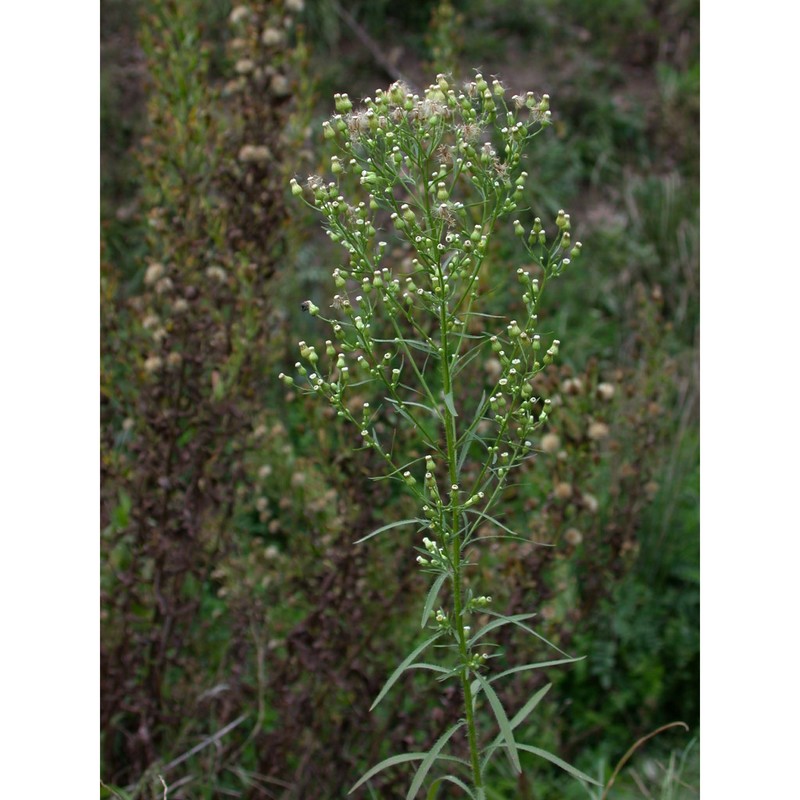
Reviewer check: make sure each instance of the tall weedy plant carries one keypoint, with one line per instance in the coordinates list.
(439, 172)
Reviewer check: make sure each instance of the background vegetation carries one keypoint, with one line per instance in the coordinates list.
(244, 636)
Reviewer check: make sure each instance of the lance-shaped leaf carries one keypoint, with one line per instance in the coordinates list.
(403, 667)
(431, 667)
(391, 525)
(448, 401)
(403, 758)
(537, 665)
(428, 761)
(431, 599)
(516, 619)
(452, 779)
(576, 773)
(506, 731)
(498, 623)
(519, 717)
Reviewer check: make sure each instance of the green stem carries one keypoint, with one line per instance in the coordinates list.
(458, 608)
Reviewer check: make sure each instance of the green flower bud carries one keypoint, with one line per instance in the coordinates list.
(342, 102)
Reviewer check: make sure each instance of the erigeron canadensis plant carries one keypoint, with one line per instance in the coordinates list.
(439, 173)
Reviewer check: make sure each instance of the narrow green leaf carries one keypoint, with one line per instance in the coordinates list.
(525, 711)
(401, 759)
(466, 360)
(431, 599)
(402, 668)
(537, 665)
(428, 761)
(385, 764)
(576, 773)
(453, 779)
(431, 667)
(432, 411)
(484, 515)
(498, 623)
(516, 620)
(469, 435)
(392, 525)
(415, 343)
(519, 717)
(469, 438)
(503, 723)
(448, 401)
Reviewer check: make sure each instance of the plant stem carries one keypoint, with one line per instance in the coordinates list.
(458, 620)
(465, 683)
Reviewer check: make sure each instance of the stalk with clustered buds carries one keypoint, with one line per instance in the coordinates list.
(429, 170)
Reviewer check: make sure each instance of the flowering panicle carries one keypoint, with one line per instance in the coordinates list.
(436, 174)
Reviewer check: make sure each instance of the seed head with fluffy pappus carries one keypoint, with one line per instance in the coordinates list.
(598, 431)
(153, 364)
(254, 154)
(239, 14)
(605, 391)
(573, 536)
(563, 490)
(550, 443)
(154, 272)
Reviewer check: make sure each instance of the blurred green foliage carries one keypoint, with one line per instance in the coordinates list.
(288, 631)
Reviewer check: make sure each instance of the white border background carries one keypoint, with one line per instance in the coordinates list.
(49, 330)
(49, 410)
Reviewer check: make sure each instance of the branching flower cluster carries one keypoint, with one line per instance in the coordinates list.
(437, 174)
